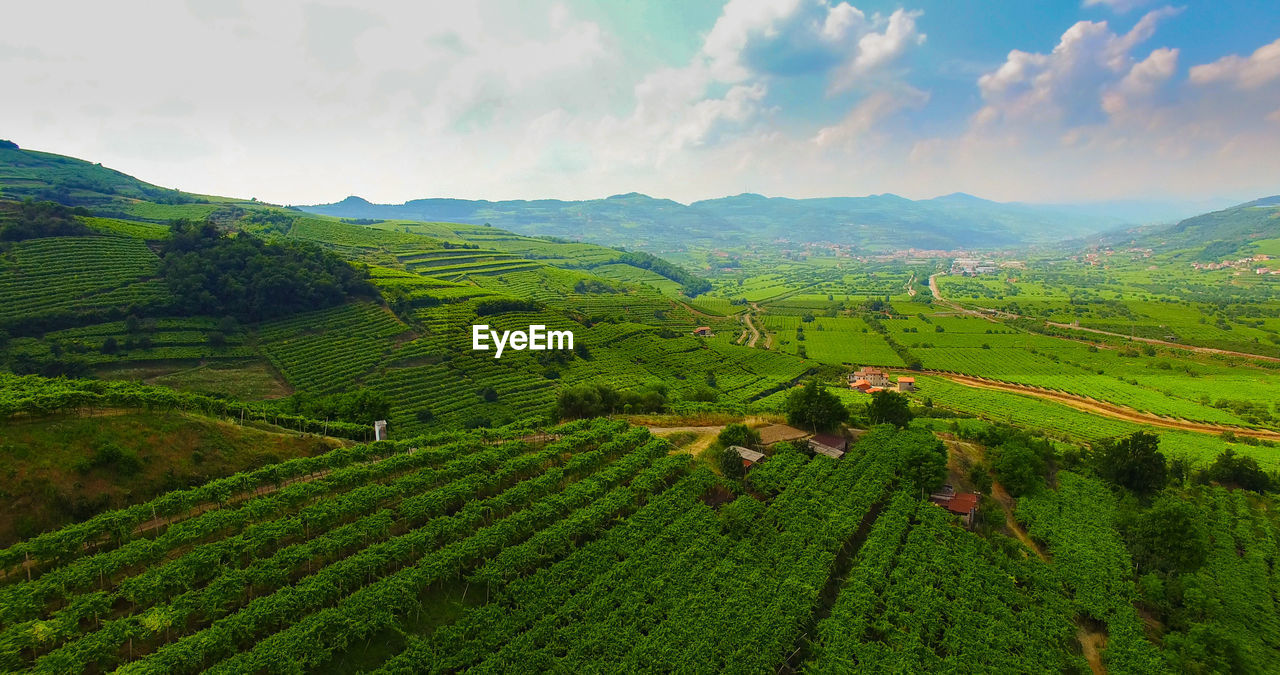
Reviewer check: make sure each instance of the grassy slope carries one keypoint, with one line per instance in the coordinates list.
(44, 489)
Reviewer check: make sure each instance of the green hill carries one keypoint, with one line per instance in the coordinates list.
(1219, 234)
(115, 289)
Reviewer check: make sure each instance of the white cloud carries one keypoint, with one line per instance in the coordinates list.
(1143, 82)
(295, 102)
(1096, 119)
(867, 114)
(1066, 85)
(1255, 71)
(876, 50)
(752, 43)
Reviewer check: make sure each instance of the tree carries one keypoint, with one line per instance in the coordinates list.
(889, 407)
(738, 434)
(1169, 537)
(1134, 463)
(1019, 468)
(924, 462)
(731, 463)
(1242, 472)
(110, 346)
(815, 408)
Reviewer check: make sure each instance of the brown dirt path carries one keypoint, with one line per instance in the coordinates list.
(937, 296)
(751, 326)
(1165, 343)
(1092, 642)
(1106, 409)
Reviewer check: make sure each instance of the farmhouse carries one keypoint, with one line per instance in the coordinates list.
(829, 444)
(963, 504)
(906, 384)
(704, 331)
(749, 457)
(862, 386)
(874, 376)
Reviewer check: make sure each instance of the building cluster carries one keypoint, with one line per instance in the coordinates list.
(971, 267)
(1241, 264)
(870, 380)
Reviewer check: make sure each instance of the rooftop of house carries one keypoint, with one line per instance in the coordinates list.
(962, 502)
(831, 441)
(747, 454)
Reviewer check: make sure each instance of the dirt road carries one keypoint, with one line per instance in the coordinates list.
(751, 326)
(1165, 343)
(937, 296)
(1106, 409)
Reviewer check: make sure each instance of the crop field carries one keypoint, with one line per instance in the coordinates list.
(1075, 425)
(591, 547)
(166, 212)
(635, 275)
(328, 349)
(42, 276)
(840, 340)
(127, 228)
(580, 293)
(338, 233)
(1091, 562)
(437, 379)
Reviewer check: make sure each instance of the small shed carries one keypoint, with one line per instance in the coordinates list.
(963, 504)
(906, 384)
(831, 445)
(704, 331)
(748, 456)
(380, 430)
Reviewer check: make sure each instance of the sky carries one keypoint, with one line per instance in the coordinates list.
(308, 102)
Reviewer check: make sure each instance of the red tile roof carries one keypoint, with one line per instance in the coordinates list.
(962, 503)
(906, 379)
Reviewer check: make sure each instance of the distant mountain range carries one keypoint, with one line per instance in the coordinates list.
(638, 221)
(884, 221)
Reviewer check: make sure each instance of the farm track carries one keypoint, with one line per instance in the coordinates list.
(937, 296)
(1165, 343)
(755, 332)
(1092, 643)
(1105, 409)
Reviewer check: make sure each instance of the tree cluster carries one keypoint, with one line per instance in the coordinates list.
(597, 400)
(690, 284)
(211, 272)
(30, 220)
(361, 406)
